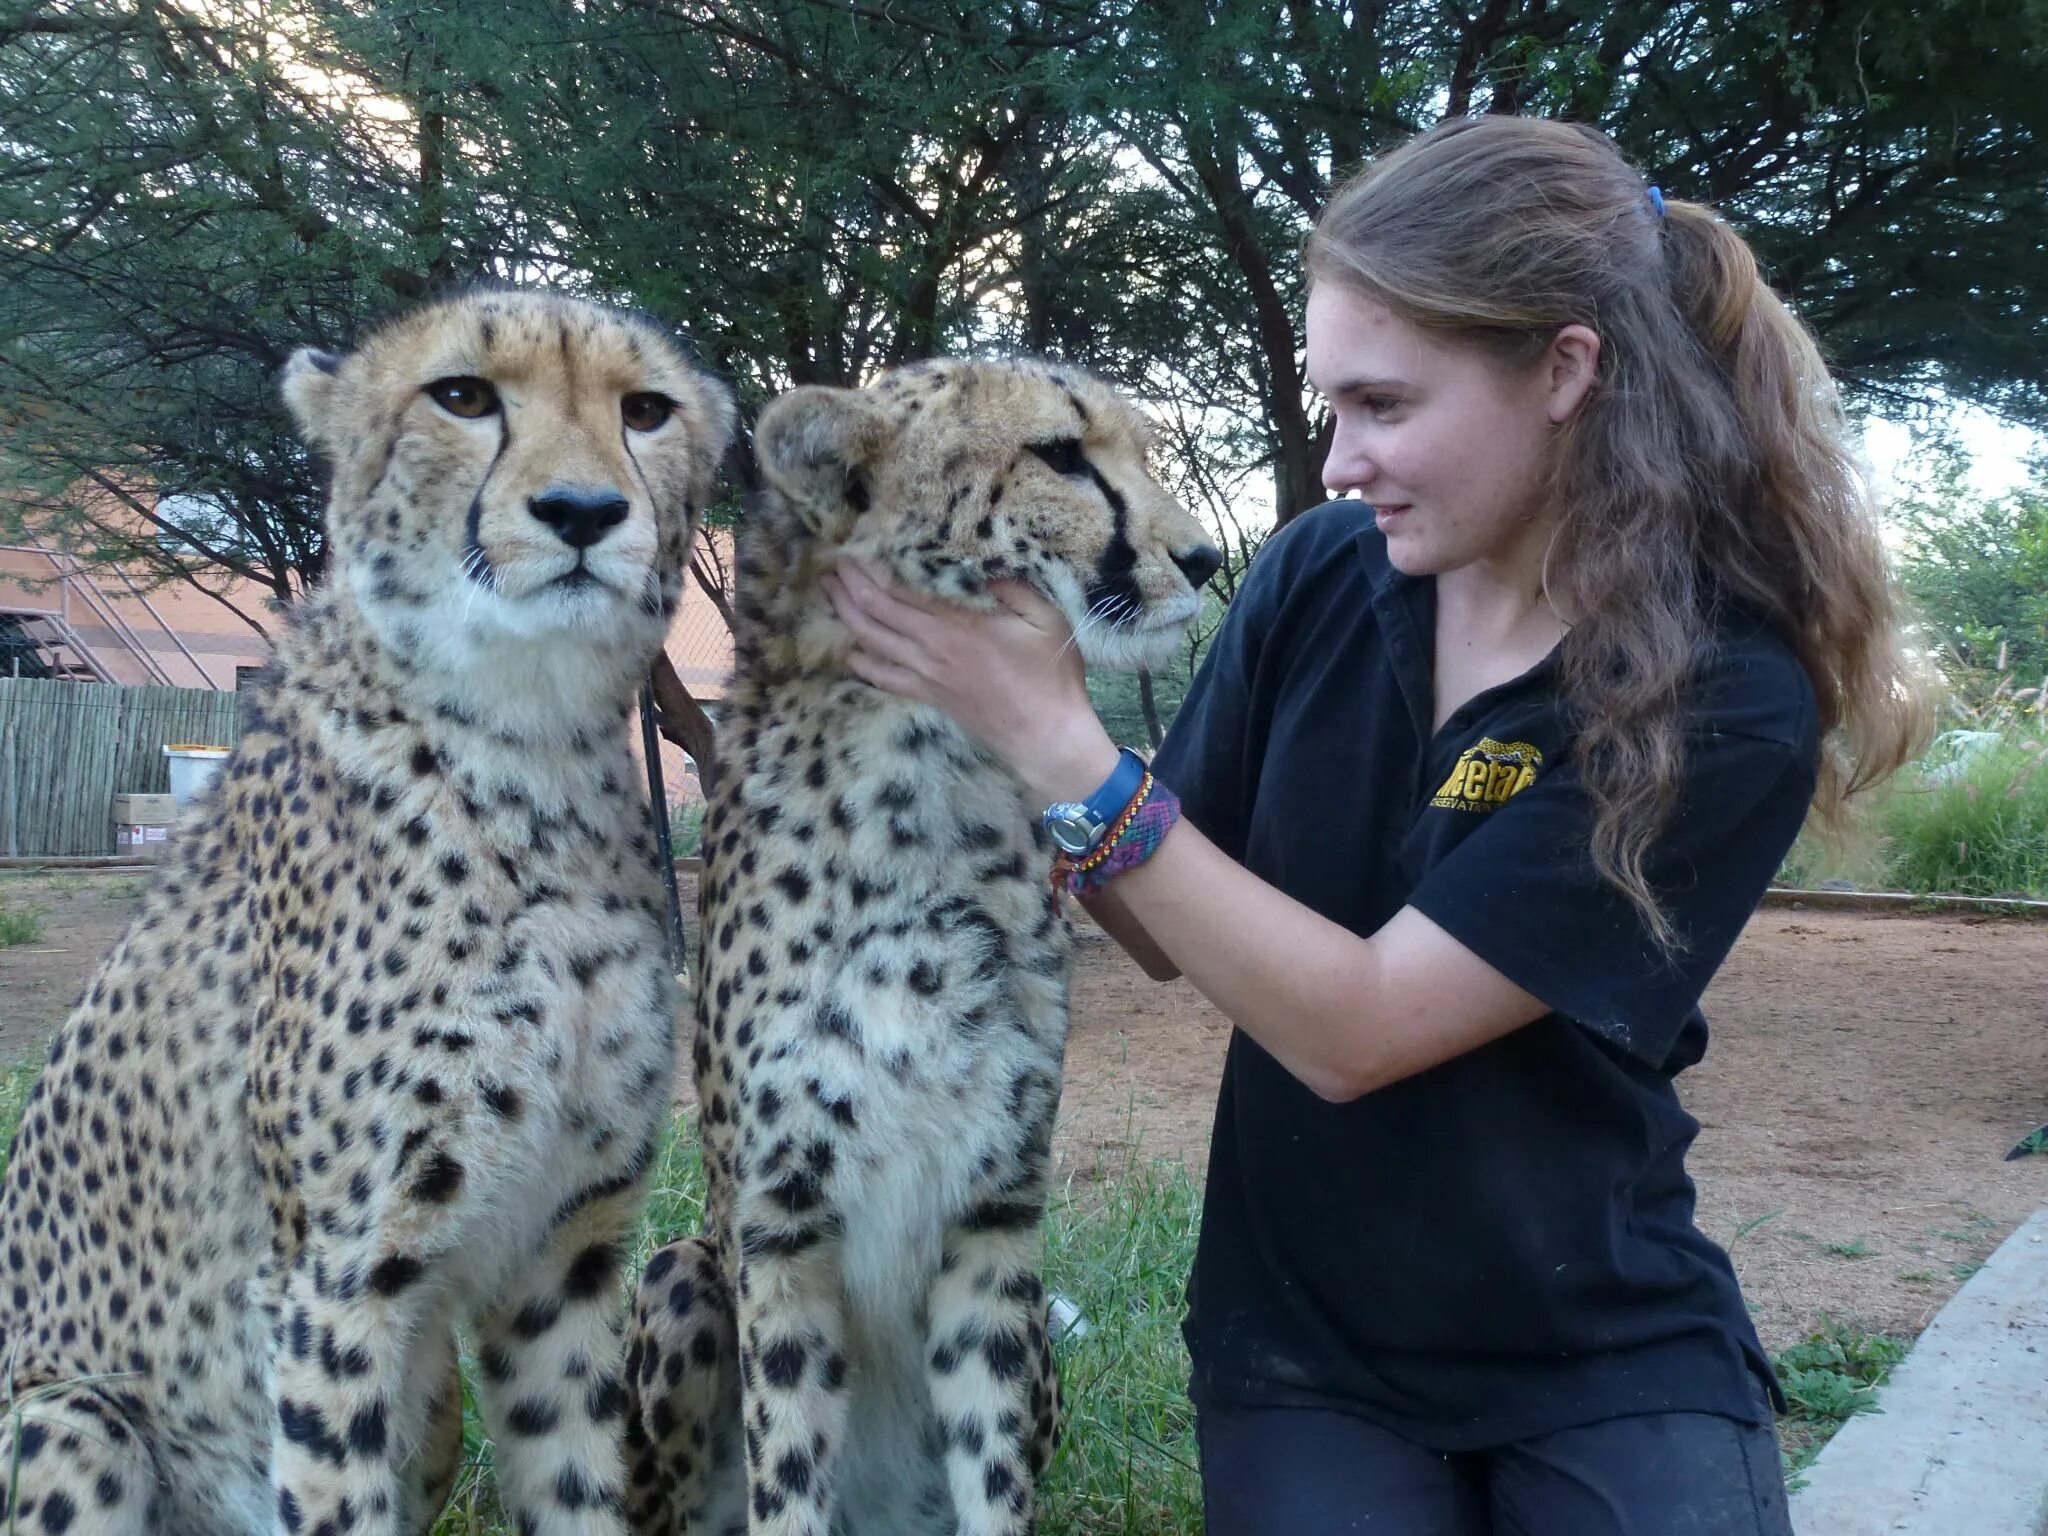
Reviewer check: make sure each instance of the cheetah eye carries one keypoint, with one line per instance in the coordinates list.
(465, 396)
(1062, 454)
(646, 411)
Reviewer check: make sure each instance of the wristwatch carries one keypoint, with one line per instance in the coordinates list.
(1076, 826)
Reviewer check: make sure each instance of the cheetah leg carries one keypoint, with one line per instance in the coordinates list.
(683, 1396)
(1045, 1395)
(429, 1474)
(346, 1410)
(73, 1465)
(987, 1335)
(792, 1345)
(552, 1399)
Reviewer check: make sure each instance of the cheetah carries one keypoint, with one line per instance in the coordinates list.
(390, 1042)
(856, 1342)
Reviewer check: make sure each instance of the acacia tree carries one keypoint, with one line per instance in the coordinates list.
(179, 210)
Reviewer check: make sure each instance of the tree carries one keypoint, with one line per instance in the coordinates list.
(1977, 571)
(172, 225)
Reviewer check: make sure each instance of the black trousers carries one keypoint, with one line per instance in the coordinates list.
(1318, 1472)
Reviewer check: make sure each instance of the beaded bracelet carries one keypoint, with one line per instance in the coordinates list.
(1132, 838)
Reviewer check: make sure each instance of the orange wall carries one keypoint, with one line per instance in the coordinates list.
(219, 641)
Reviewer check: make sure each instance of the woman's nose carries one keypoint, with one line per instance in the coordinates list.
(1347, 468)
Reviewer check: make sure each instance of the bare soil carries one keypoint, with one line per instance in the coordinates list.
(1867, 1075)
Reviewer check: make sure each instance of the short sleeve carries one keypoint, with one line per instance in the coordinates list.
(1521, 891)
(1209, 758)
(1212, 751)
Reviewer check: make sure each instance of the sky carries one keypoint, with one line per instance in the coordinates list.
(1998, 451)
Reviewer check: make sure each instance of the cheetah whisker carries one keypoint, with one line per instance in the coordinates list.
(1090, 619)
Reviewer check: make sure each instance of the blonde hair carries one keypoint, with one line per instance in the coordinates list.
(1707, 466)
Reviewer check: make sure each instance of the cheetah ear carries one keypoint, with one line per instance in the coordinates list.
(308, 387)
(816, 446)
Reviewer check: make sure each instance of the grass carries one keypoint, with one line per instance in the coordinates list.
(20, 925)
(1968, 820)
(686, 828)
(1829, 1378)
(1119, 1247)
(15, 1083)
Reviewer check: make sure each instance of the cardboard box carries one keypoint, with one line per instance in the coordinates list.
(146, 810)
(140, 839)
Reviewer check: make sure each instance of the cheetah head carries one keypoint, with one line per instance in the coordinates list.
(517, 477)
(953, 474)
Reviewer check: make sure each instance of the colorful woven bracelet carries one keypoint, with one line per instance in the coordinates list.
(1132, 839)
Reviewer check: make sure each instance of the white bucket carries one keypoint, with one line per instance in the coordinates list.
(192, 769)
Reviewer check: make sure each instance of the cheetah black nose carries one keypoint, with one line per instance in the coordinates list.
(1199, 564)
(580, 514)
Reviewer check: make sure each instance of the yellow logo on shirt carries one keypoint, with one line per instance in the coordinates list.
(1488, 773)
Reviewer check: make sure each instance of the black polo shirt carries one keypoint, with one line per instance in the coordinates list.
(1503, 1245)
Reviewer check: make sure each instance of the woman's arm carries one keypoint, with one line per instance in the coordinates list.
(1343, 1014)
(1116, 919)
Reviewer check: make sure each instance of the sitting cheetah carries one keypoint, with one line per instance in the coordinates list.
(390, 1042)
(857, 1342)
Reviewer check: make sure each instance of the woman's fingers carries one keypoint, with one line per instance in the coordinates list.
(886, 675)
(1030, 605)
(897, 607)
(871, 631)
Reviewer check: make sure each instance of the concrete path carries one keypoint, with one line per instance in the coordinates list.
(1961, 1446)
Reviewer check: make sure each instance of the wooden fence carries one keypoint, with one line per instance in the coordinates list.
(66, 749)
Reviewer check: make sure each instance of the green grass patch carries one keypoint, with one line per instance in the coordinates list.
(1829, 1378)
(20, 925)
(1120, 1250)
(686, 828)
(1970, 820)
(15, 1083)
(1119, 1247)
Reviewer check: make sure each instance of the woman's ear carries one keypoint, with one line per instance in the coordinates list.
(1570, 367)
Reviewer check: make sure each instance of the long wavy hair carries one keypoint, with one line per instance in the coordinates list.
(1706, 467)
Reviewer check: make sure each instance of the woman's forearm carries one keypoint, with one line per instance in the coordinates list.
(1343, 1014)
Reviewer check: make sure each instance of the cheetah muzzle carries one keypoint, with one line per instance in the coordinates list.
(389, 1045)
(856, 1343)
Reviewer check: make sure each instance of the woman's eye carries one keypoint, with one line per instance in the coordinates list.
(464, 396)
(644, 412)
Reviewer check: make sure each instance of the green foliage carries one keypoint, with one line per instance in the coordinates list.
(20, 925)
(1828, 1378)
(686, 827)
(1977, 571)
(1982, 833)
(15, 1083)
(1964, 822)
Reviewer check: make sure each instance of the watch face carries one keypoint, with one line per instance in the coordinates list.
(1072, 829)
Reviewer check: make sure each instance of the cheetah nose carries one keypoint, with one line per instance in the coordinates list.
(580, 514)
(1199, 564)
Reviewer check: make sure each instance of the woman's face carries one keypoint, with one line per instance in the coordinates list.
(1450, 446)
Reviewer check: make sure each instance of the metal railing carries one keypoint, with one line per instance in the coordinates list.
(74, 579)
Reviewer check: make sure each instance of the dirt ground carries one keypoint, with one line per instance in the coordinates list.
(1866, 1076)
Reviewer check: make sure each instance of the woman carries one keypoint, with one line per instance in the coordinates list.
(1475, 789)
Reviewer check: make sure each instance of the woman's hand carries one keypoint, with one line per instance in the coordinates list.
(1012, 679)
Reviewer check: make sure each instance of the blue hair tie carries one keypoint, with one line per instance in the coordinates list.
(1656, 197)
